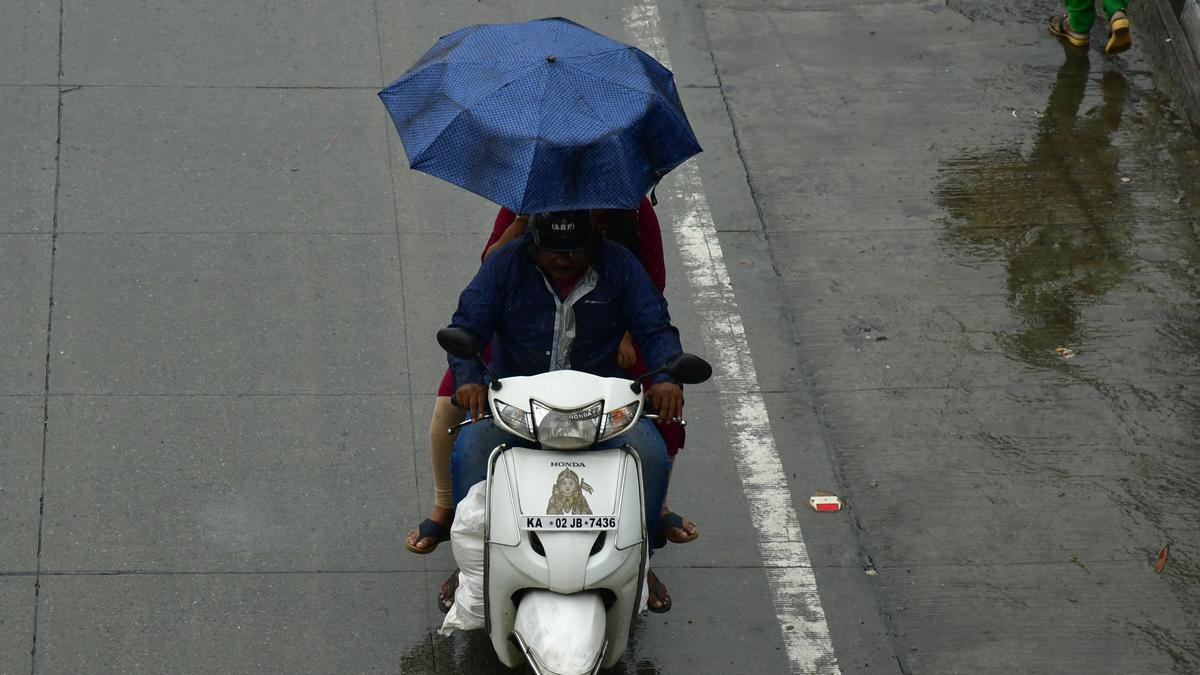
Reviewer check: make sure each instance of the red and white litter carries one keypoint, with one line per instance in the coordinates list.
(823, 501)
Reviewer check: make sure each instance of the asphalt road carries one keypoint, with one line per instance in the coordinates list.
(219, 285)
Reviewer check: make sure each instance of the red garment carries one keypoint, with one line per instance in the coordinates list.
(446, 388)
(674, 435)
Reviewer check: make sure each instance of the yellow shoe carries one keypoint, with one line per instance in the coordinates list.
(1119, 38)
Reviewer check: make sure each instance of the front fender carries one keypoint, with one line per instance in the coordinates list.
(561, 634)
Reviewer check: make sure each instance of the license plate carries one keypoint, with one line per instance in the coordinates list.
(568, 522)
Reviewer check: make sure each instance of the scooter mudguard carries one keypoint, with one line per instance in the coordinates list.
(561, 634)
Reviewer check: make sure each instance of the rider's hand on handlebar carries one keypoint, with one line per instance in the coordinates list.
(473, 399)
(667, 398)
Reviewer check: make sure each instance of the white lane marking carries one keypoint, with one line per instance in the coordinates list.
(780, 542)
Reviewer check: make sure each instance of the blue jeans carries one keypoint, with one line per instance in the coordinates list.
(475, 442)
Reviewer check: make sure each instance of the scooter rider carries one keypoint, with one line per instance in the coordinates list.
(560, 297)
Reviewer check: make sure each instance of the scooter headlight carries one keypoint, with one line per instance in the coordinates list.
(514, 418)
(573, 428)
(618, 420)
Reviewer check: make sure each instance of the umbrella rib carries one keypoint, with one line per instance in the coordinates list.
(589, 73)
(462, 109)
(533, 155)
(650, 96)
(525, 38)
(610, 50)
(595, 112)
(416, 71)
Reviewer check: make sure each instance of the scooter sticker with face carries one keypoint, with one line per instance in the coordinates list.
(567, 495)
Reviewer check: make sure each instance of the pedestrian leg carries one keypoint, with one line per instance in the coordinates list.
(1082, 14)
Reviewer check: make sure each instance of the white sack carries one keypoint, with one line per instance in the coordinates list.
(466, 538)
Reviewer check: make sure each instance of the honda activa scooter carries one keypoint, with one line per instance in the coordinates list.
(565, 545)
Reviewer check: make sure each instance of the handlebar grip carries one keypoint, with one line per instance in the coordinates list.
(653, 417)
(456, 427)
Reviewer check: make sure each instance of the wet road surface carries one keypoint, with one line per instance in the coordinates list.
(967, 262)
(990, 246)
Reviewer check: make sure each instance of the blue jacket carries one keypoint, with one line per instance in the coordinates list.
(510, 302)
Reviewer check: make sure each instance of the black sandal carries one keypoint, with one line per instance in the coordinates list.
(449, 588)
(674, 520)
(429, 529)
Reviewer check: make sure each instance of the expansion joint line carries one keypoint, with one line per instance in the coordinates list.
(37, 582)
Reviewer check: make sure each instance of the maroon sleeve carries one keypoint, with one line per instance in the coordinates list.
(650, 241)
(503, 219)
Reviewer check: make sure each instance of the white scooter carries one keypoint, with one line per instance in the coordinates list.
(565, 548)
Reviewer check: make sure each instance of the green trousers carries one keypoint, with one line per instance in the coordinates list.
(1083, 12)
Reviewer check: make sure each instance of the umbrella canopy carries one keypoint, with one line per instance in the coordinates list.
(544, 115)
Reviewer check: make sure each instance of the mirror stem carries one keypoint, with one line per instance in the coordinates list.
(496, 386)
(636, 386)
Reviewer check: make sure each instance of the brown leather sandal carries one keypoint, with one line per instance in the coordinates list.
(657, 592)
(446, 593)
(1060, 25)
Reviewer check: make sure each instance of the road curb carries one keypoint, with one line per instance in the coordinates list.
(1173, 42)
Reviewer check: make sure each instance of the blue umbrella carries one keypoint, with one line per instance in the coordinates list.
(541, 116)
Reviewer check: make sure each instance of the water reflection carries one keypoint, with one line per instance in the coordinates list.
(1070, 231)
(463, 652)
(1059, 216)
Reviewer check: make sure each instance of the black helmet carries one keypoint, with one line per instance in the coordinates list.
(562, 231)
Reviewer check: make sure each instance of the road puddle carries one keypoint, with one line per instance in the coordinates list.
(1095, 222)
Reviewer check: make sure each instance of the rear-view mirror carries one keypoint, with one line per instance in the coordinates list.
(687, 368)
(458, 342)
